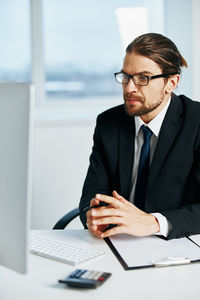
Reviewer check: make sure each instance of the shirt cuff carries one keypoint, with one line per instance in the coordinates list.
(163, 223)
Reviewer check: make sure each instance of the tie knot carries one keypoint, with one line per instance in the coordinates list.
(146, 132)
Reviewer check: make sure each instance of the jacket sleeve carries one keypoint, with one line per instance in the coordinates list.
(185, 220)
(97, 178)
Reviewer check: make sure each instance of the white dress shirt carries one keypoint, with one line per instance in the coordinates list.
(155, 126)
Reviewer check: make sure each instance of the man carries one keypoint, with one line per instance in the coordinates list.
(145, 163)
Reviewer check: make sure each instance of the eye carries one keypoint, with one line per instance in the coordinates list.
(142, 77)
(124, 78)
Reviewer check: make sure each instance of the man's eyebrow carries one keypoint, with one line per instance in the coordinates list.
(138, 73)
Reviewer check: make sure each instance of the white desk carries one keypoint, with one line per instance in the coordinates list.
(171, 283)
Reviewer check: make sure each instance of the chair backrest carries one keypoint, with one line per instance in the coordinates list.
(67, 218)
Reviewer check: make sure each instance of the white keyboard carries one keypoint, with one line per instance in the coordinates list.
(62, 251)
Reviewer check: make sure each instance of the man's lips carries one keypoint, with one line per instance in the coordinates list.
(133, 100)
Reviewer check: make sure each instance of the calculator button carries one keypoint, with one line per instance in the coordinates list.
(97, 275)
(86, 274)
(81, 273)
(105, 275)
(90, 276)
(77, 274)
(101, 278)
(73, 274)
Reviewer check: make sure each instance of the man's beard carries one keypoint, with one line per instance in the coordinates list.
(143, 110)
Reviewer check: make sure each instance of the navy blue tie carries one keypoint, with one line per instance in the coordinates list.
(143, 170)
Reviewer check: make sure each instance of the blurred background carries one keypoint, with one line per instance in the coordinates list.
(70, 50)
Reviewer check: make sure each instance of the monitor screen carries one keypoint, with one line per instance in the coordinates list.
(16, 132)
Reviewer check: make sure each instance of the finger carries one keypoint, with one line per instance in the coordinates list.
(90, 223)
(107, 220)
(96, 230)
(115, 230)
(89, 218)
(116, 195)
(106, 211)
(94, 202)
(88, 214)
(122, 199)
(119, 197)
(91, 227)
(110, 200)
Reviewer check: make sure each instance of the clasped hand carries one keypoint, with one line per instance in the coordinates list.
(128, 218)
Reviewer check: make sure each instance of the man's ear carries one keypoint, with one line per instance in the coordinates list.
(172, 83)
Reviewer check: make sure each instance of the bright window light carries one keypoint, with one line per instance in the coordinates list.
(132, 22)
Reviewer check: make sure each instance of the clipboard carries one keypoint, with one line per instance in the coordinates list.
(152, 251)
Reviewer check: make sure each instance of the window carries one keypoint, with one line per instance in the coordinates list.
(84, 43)
(15, 59)
(76, 45)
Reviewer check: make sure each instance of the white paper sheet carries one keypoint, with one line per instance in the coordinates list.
(142, 251)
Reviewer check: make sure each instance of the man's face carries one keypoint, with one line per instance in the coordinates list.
(146, 100)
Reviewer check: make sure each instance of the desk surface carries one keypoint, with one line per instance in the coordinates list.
(174, 283)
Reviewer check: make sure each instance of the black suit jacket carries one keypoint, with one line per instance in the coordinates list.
(174, 178)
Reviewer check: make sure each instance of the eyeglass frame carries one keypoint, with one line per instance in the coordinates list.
(147, 76)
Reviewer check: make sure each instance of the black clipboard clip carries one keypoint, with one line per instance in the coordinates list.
(171, 261)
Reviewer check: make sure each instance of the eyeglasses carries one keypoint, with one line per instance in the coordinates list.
(138, 79)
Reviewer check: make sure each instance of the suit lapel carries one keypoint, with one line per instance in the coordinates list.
(169, 129)
(126, 151)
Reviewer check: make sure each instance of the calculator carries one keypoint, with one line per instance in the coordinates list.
(85, 278)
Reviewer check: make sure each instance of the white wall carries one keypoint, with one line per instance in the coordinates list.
(60, 165)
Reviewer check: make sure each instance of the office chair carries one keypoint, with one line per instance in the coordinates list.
(67, 218)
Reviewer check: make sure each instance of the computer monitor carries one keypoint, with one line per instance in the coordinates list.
(16, 132)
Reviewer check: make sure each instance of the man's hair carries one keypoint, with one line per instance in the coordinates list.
(160, 49)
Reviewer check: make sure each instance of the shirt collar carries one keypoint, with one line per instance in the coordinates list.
(155, 123)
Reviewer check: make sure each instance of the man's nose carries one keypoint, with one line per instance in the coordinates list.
(130, 86)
